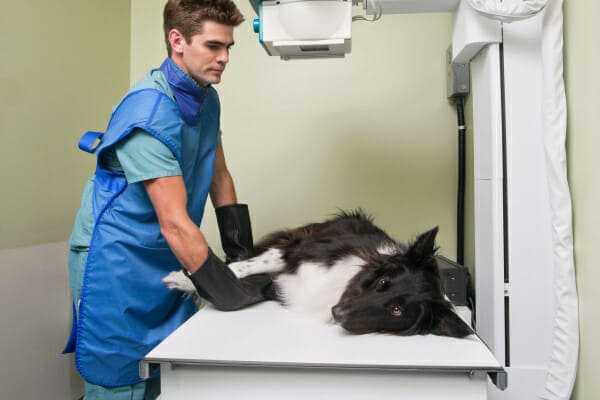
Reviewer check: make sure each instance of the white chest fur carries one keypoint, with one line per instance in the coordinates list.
(315, 288)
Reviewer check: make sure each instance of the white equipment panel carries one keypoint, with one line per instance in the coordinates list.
(266, 351)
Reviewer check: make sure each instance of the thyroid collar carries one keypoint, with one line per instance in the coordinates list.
(188, 94)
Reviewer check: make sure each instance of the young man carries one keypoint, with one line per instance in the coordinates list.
(159, 160)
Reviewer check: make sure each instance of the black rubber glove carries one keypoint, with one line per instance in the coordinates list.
(236, 232)
(215, 282)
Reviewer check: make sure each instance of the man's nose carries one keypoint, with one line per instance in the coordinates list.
(223, 56)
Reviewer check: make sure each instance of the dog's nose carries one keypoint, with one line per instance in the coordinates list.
(338, 312)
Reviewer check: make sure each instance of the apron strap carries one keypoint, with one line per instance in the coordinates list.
(71, 343)
(90, 141)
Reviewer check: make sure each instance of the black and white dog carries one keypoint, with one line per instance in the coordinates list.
(349, 269)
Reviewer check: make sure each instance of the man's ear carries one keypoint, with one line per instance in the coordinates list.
(176, 40)
(448, 323)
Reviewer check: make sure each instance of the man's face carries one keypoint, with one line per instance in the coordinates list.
(204, 58)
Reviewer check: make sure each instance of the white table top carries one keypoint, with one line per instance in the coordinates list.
(268, 335)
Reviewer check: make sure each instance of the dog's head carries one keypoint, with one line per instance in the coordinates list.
(400, 294)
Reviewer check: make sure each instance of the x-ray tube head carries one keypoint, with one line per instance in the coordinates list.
(305, 28)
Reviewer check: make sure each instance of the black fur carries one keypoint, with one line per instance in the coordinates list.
(399, 293)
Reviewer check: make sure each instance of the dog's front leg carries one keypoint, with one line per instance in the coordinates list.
(266, 263)
(178, 280)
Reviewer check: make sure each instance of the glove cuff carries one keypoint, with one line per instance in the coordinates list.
(235, 231)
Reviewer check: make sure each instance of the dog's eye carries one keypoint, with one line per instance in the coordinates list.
(381, 284)
(396, 311)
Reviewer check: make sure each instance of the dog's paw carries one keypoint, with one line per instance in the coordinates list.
(177, 280)
(240, 269)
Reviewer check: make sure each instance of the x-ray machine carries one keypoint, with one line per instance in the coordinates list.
(526, 305)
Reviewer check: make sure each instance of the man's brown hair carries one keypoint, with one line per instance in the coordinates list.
(187, 16)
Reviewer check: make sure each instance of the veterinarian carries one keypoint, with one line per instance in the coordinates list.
(157, 163)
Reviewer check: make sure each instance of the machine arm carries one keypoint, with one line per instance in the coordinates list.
(322, 28)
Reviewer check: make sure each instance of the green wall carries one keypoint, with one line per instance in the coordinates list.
(64, 64)
(582, 66)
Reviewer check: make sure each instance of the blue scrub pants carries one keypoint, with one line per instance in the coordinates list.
(147, 390)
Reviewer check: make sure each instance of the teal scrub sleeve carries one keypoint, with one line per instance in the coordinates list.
(142, 157)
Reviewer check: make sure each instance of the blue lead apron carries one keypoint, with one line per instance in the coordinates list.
(125, 309)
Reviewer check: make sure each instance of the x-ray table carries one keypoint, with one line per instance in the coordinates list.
(269, 352)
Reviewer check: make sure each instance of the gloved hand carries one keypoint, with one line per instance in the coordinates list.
(236, 232)
(215, 282)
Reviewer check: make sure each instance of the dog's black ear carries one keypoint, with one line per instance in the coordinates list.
(423, 248)
(448, 323)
